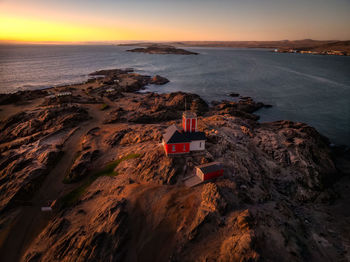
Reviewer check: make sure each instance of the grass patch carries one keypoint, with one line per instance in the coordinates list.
(72, 197)
(104, 107)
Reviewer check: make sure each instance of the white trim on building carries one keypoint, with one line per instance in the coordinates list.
(197, 145)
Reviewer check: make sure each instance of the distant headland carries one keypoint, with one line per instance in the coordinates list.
(309, 46)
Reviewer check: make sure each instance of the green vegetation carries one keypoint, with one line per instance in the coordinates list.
(73, 196)
(104, 107)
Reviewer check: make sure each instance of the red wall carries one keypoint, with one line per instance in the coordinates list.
(179, 148)
(188, 123)
(213, 174)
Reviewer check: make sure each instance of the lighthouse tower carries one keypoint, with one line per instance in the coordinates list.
(189, 121)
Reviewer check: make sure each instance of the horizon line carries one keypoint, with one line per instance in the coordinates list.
(112, 42)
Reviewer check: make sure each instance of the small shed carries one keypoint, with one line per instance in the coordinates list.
(209, 171)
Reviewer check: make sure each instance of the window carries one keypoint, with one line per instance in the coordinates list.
(173, 148)
(184, 147)
(200, 144)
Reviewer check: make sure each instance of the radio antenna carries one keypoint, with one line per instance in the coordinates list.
(185, 104)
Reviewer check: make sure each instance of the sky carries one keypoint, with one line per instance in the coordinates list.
(173, 20)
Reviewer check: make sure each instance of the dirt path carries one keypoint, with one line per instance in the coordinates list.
(31, 220)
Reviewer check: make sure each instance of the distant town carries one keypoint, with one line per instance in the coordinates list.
(326, 52)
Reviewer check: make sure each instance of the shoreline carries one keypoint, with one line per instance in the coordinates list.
(143, 90)
(92, 76)
(93, 152)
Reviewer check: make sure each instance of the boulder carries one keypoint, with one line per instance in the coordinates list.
(159, 80)
(234, 95)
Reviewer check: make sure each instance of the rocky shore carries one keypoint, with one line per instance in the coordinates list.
(162, 49)
(93, 153)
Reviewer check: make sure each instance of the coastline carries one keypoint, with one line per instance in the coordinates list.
(68, 133)
(35, 93)
(17, 95)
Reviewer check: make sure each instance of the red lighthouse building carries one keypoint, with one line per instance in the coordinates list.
(177, 141)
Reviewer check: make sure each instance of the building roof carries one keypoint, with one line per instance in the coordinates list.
(172, 135)
(210, 167)
(195, 136)
(189, 114)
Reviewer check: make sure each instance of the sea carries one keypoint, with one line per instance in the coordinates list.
(313, 89)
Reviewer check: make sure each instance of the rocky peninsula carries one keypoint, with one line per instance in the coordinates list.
(163, 50)
(92, 152)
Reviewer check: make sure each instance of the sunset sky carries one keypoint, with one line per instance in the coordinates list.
(170, 20)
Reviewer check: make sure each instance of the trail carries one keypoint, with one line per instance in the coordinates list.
(31, 220)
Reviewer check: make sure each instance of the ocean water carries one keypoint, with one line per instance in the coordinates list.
(307, 88)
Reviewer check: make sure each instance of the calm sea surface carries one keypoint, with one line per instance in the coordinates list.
(306, 88)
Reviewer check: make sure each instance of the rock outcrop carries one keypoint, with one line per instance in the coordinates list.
(155, 108)
(23, 172)
(31, 125)
(243, 108)
(159, 80)
(30, 149)
(117, 81)
(100, 237)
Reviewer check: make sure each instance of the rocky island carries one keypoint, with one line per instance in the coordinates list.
(91, 154)
(162, 49)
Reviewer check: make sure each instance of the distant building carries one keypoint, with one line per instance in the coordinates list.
(64, 94)
(110, 90)
(209, 171)
(177, 141)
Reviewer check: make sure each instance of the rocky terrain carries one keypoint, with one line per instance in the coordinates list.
(95, 155)
(163, 50)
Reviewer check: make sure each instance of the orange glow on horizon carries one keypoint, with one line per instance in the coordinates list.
(18, 29)
(34, 30)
